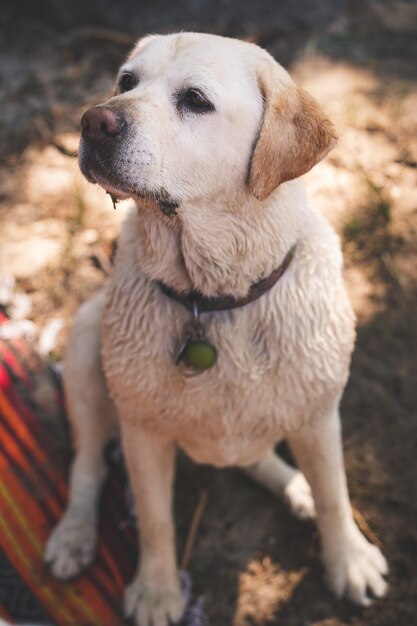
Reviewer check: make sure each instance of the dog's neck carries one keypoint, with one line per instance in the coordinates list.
(220, 247)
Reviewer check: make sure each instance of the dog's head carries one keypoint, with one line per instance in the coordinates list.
(195, 116)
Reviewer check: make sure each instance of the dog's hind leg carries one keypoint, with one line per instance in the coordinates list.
(284, 481)
(354, 566)
(71, 546)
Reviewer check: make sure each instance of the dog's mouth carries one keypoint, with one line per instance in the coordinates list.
(98, 173)
(115, 189)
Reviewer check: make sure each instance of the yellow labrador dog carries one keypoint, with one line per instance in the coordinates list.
(225, 327)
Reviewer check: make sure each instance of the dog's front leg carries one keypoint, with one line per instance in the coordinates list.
(154, 597)
(353, 565)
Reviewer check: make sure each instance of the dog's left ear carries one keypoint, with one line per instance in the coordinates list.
(294, 135)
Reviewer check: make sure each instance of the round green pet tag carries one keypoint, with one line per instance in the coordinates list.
(199, 354)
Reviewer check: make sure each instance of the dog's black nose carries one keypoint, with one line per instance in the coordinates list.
(101, 123)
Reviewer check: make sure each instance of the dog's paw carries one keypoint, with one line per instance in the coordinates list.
(149, 605)
(356, 568)
(299, 498)
(71, 546)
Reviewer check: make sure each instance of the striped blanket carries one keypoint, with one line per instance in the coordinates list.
(34, 462)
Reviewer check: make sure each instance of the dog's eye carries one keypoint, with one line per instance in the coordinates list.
(127, 82)
(195, 101)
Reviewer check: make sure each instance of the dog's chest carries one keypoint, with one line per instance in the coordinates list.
(230, 414)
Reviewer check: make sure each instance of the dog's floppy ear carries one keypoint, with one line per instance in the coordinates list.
(294, 135)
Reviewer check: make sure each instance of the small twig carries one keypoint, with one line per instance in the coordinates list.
(63, 149)
(106, 34)
(367, 531)
(192, 532)
(47, 135)
(43, 129)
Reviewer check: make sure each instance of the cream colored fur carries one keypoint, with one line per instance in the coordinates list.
(283, 359)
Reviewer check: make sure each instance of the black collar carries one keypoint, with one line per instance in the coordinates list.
(194, 300)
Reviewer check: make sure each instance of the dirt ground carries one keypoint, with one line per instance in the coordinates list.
(252, 561)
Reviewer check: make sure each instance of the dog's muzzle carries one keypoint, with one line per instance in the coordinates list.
(102, 157)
